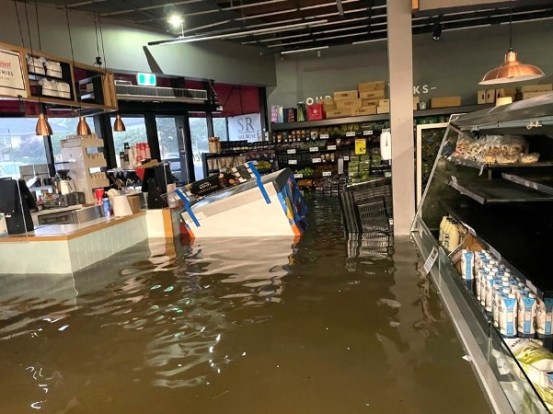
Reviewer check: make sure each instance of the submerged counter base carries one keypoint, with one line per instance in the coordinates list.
(68, 248)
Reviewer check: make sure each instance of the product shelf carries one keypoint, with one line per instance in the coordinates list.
(484, 166)
(496, 227)
(486, 191)
(535, 181)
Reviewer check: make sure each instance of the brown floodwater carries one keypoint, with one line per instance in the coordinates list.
(325, 325)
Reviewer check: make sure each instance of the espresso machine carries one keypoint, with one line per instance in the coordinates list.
(64, 188)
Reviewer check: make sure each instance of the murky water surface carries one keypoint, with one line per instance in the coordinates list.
(326, 325)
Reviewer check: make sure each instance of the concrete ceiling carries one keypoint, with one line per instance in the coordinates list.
(277, 26)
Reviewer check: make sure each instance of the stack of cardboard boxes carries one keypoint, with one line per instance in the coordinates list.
(368, 99)
(490, 96)
(529, 91)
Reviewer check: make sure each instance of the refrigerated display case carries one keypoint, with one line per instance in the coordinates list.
(487, 179)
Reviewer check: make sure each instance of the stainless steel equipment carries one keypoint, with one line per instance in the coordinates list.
(70, 215)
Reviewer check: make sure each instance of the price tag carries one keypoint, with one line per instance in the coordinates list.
(293, 162)
(327, 173)
(431, 260)
(316, 160)
(346, 157)
(324, 136)
(313, 149)
(350, 134)
(331, 147)
(291, 151)
(298, 175)
(368, 132)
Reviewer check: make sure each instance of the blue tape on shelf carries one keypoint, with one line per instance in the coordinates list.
(187, 207)
(259, 182)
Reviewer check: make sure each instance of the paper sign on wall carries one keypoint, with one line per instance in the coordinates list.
(360, 146)
(245, 128)
(12, 82)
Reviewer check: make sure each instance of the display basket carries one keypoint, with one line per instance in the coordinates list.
(367, 206)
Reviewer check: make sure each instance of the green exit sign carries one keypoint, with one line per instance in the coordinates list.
(146, 79)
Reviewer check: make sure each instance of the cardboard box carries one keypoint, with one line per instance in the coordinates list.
(382, 109)
(384, 102)
(372, 94)
(416, 100)
(327, 101)
(481, 97)
(339, 113)
(490, 95)
(366, 110)
(445, 101)
(315, 112)
(349, 103)
(371, 86)
(528, 95)
(537, 88)
(369, 102)
(341, 95)
(329, 107)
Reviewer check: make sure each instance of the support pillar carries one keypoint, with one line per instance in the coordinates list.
(400, 67)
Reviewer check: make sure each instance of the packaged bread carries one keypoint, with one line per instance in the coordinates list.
(529, 158)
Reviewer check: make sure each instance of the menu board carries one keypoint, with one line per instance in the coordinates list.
(12, 82)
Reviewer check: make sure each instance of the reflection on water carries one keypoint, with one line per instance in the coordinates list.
(325, 325)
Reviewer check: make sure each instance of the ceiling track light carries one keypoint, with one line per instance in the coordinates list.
(512, 70)
(437, 29)
(310, 49)
(231, 35)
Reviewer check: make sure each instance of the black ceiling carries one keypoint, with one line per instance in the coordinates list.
(285, 25)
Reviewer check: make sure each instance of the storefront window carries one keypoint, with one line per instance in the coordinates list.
(19, 145)
(61, 128)
(199, 138)
(168, 136)
(220, 128)
(135, 133)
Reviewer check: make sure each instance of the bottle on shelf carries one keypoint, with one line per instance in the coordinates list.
(106, 206)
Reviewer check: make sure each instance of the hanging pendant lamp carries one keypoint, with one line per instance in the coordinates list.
(43, 126)
(82, 127)
(118, 125)
(512, 70)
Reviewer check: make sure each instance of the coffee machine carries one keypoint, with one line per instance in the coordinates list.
(62, 181)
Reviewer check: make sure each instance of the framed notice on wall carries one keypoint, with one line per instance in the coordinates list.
(245, 127)
(12, 82)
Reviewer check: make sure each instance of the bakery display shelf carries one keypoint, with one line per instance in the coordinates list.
(498, 191)
(484, 166)
(495, 227)
(305, 163)
(538, 182)
(309, 151)
(329, 122)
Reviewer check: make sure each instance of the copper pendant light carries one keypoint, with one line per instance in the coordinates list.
(512, 70)
(118, 125)
(82, 127)
(42, 126)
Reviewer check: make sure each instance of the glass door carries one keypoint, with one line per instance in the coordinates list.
(170, 146)
(199, 139)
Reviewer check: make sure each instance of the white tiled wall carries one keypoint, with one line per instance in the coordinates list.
(35, 257)
(91, 248)
(68, 256)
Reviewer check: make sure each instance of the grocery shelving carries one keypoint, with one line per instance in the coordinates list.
(507, 212)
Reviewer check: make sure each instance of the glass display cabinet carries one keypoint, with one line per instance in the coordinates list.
(485, 229)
